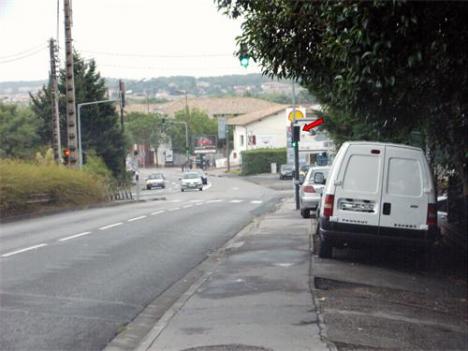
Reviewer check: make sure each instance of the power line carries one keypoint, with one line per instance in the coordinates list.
(23, 52)
(155, 56)
(24, 56)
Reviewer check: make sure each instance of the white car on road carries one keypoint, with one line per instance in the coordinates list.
(191, 180)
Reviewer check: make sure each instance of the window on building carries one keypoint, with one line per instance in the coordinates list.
(241, 140)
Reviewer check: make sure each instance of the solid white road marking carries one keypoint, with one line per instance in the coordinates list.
(23, 250)
(74, 236)
(256, 201)
(110, 226)
(236, 201)
(136, 219)
(157, 212)
(213, 201)
(174, 209)
(187, 206)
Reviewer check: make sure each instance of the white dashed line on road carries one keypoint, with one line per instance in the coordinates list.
(23, 250)
(157, 212)
(176, 200)
(110, 226)
(174, 209)
(136, 219)
(213, 201)
(199, 204)
(187, 206)
(256, 201)
(196, 200)
(74, 236)
(236, 201)
(235, 188)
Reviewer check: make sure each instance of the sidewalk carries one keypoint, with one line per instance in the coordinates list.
(257, 296)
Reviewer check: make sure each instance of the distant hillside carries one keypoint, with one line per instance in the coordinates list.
(168, 88)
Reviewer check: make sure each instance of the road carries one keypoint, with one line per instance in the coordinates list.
(71, 281)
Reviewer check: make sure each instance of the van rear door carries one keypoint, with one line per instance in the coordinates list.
(358, 185)
(404, 202)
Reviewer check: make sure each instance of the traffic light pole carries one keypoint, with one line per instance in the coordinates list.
(79, 106)
(296, 150)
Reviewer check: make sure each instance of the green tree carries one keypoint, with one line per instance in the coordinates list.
(100, 127)
(18, 131)
(198, 123)
(144, 129)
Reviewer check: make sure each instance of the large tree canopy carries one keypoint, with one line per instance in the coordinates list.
(392, 65)
(100, 126)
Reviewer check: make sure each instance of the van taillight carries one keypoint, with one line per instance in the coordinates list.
(309, 189)
(328, 205)
(431, 214)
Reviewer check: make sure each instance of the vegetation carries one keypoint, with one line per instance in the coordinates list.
(260, 160)
(198, 123)
(385, 70)
(19, 131)
(100, 127)
(27, 187)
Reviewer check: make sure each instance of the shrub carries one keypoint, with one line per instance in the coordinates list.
(259, 160)
(28, 187)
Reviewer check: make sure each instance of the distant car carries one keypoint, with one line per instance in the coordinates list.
(286, 171)
(203, 177)
(155, 180)
(191, 180)
(311, 190)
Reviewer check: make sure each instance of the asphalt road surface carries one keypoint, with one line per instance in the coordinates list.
(70, 281)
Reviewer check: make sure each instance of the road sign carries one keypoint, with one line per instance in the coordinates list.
(221, 127)
(299, 115)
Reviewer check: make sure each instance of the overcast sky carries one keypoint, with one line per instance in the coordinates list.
(128, 38)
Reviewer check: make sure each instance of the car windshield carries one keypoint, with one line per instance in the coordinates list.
(191, 176)
(287, 167)
(155, 176)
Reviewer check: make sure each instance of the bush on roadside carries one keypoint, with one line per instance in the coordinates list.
(29, 187)
(259, 160)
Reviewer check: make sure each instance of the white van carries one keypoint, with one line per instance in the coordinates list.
(377, 193)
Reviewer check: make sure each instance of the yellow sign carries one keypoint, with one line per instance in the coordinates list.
(299, 115)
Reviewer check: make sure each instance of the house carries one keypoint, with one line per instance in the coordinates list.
(271, 128)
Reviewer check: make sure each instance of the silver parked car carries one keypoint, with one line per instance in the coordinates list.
(311, 189)
(191, 180)
(155, 180)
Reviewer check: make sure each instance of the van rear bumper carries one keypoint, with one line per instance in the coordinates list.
(355, 234)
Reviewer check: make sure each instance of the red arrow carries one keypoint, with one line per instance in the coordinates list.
(313, 124)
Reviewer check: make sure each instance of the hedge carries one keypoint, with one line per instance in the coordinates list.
(27, 187)
(259, 160)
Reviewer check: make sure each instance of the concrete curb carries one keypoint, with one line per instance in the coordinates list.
(318, 310)
(71, 209)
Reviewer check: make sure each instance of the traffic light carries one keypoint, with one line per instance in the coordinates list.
(66, 156)
(244, 56)
(296, 136)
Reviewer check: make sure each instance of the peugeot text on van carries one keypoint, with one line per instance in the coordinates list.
(377, 193)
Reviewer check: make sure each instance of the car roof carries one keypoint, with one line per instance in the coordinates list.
(381, 144)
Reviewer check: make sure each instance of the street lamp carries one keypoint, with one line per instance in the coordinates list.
(79, 106)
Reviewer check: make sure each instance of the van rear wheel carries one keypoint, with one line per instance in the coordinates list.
(325, 249)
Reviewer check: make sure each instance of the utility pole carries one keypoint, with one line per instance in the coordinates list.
(122, 102)
(70, 87)
(296, 149)
(54, 103)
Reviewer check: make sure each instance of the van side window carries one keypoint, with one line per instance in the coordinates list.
(404, 177)
(362, 174)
